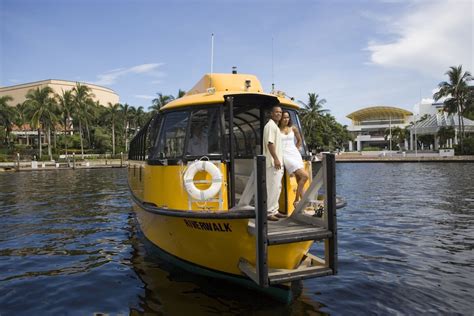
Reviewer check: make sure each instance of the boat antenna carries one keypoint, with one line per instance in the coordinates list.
(212, 59)
(273, 77)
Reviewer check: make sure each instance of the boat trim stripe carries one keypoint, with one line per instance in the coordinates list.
(149, 207)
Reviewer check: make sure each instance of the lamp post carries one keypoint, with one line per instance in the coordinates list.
(416, 142)
(390, 127)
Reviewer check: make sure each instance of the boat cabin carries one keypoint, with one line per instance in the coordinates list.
(219, 120)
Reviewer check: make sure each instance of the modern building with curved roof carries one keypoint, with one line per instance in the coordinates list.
(370, 124)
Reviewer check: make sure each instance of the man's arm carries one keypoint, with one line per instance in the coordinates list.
(272, 150)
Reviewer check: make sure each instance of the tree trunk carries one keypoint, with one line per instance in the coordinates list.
(39, 143)
(55, 138)
(88, 135)
(80, 136)
(125, 138)
(113, 138)
(50, 154)
(461, 138)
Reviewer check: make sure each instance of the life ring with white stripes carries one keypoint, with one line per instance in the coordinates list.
(216, 179)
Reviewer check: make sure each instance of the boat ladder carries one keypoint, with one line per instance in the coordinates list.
(299, 226)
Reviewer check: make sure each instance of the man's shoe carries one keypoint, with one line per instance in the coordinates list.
(272, 218)
(281, 215)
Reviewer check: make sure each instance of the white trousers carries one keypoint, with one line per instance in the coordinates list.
(273, 189)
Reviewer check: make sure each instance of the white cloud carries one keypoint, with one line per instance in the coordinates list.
(112, 76)
(143, 96)
(433, 36)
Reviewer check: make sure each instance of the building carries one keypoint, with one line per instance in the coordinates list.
(430, 120)
(18, 92)
(370, 124)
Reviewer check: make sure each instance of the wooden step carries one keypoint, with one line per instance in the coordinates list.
(311, 267)
(289, 230)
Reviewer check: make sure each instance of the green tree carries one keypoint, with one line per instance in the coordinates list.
(113, 112)
(82, 98)
(181, 93)
(7, 116)
(160, 101)
(312, 121)
(21, 119)
(66, 109)
(457, 93)
(398, 136)
(41, 111)
(445, 133)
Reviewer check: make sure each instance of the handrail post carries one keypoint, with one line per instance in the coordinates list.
(261, 220)
(73, 160)
(329, 174)
(230, 102)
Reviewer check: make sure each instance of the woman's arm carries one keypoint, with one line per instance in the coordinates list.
(299, 141)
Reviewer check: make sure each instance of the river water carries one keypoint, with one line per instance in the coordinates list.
(69, 244)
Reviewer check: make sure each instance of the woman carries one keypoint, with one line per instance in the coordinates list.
(292, 159)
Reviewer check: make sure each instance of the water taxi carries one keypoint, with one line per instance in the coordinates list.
(197, 178)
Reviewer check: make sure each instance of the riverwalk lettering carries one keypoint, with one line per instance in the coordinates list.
(216, 227)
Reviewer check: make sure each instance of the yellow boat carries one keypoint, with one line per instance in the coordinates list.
(197, 178)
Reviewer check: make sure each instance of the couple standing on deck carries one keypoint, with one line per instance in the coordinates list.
(280, 150)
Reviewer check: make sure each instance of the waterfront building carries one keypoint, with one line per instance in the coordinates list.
(370, 124)
(100, 94)
(430, 120)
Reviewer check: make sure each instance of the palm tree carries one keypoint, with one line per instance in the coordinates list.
(124, 111)
(112, 114)
(6, 115)
(81, 100)
(21, 119)
(160, 101)
(140, 117)
(445, 133)
(41, 111)
(457, 93)
(66, 110)
(311, 118)
(181, 93)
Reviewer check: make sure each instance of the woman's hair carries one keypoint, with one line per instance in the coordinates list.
(290, 122)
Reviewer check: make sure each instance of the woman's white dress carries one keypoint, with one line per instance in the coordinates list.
(291, 155)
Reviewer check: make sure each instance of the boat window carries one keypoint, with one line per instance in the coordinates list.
(138, 145)
(204, 133)
(170, 142)
(246, 132)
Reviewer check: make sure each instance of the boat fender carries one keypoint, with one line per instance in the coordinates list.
(193, 191)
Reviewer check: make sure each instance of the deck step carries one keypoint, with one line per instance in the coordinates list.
(289, 231)
(311, 267)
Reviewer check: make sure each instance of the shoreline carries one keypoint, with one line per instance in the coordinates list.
(348, 158)
(51, 165)
(116, 163)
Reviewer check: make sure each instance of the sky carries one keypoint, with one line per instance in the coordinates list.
(354, 54)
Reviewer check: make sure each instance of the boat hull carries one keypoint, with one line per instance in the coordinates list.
(215, 244)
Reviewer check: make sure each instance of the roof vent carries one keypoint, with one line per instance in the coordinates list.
(234, 70)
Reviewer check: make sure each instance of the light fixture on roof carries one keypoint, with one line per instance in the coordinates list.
(248, 83)
(211, 90)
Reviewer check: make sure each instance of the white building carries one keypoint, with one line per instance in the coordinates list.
(369, 125)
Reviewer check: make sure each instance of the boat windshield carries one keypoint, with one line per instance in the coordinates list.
(191, 133)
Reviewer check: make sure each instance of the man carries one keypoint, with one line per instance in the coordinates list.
(272, 149)
(197, 144)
